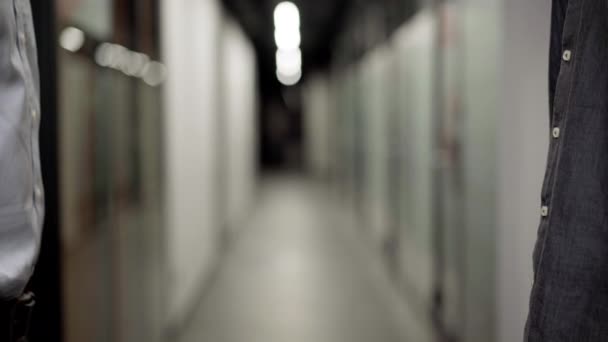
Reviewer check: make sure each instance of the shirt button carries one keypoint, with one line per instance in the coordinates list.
(567, 55)
(22, 37)
(34, 114)
(544, 211)
(556, 132)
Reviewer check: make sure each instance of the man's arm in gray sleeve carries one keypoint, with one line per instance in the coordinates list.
(21, 191)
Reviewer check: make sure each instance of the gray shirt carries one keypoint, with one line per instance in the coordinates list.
(21, 190)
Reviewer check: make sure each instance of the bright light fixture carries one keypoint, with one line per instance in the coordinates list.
(131, 63)
(72, 39)
(137, 64)
(287, 39)
(155, 74)
(286, 16)
(289, 80)
(289, 62)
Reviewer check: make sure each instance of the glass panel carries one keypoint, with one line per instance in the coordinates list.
(111, 179)
(451, 175)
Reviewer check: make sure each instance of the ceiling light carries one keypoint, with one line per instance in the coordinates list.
(72, 39)
(156, 74)
(289, 62)
(289, 80)
(287, 39)
(286, 16)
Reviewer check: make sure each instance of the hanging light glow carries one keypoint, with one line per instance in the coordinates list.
(289, 80)
(289, 62)
(286, 16)
(72, 39)
(288, 39)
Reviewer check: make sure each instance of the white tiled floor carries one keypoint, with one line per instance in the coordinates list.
(297, 273)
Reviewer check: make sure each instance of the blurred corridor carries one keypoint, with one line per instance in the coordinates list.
(298, 273)
(306, 171)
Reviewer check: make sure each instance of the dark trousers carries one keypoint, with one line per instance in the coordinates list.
(15, 316)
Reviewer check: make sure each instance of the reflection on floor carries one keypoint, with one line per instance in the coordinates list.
(297, 273)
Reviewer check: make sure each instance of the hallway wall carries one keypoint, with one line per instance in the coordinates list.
(524, 109)
(110, 180)
(480, 24)
(438, 136)
(317, 116)
(210, 170)
(239, 118)
(191, 156)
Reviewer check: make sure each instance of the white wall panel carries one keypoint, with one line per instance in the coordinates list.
(414, 43)
(481, 27)
(239, 111)
(375, 107)
(190, 48)
(318, 117)
(523, 133)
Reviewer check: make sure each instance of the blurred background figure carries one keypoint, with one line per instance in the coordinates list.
(259, 170)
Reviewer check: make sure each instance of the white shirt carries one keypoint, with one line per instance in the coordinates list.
(21, 190)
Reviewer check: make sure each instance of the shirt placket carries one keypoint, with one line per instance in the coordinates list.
(561, 104)
(32, 105)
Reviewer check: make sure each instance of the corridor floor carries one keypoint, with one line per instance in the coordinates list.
(297, 272)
